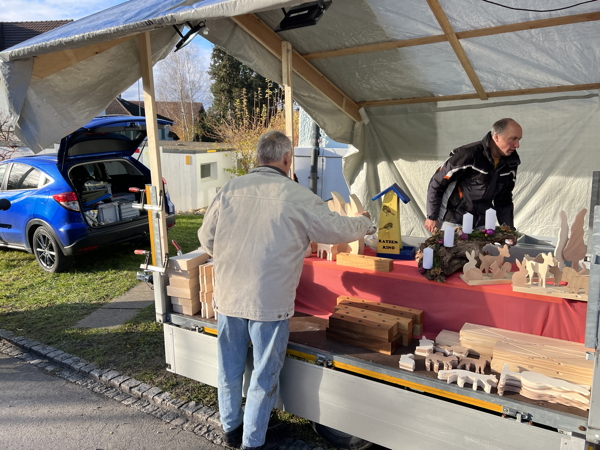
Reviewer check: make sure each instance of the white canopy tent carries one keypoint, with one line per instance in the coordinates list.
(430, 74)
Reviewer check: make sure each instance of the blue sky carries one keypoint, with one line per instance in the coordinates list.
(33, 10)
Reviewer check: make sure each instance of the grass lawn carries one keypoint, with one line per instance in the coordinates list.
(45, 307)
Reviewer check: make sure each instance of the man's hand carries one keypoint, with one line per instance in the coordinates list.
(364, 213)
(431, 225)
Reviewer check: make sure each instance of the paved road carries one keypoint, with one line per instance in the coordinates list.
(42, 411)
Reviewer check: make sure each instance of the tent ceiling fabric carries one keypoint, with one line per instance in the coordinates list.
(402, 61)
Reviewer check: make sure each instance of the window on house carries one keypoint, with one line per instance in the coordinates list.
(208, 171)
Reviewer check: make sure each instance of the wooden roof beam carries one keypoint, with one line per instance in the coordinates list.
(491, 31)
(446, 98)
(272, 42)
(442, 19)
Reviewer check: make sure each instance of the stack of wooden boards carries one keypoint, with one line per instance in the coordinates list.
(526, 352)
(191, 283)
(376, 326)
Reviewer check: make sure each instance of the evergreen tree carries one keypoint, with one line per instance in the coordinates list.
(234, 82)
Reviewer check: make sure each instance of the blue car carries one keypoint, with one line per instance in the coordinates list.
(78, 199)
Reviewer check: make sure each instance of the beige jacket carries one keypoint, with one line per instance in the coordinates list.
(257, 229)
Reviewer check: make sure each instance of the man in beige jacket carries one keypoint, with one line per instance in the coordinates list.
(257, 229)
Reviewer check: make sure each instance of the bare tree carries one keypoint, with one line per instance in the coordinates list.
(182, 87)
(8, 145)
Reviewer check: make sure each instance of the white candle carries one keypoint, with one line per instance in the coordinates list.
(448, 236)
(427, 258)
(467, 223)
(490, 219)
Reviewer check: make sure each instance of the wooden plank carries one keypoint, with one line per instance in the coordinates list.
(174, 272)
(553, 362)
(482, 339)
(370, 48)
(368, 342)
(449, 338)
(188, 310)
(531, 25)
(516, 92)
(468, 34)
(182, 292)
(188, 261)
(488, 279)
(550, 291)
(365, 262)
(286, 71)
(185, 301)
(182, 282)
(51, 63)
(418, 318)
(272, 42)
(440, 15)
(145, 55)
(365, 324)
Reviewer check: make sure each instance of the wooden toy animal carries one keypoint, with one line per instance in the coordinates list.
(576, 280)
(472, 263)
(479, 365)
(488, 260)
(520, 278)
(499, 273)
(541, 269)
(435, 359)
(487, 382)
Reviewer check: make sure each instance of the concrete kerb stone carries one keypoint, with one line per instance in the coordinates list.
(189, 416)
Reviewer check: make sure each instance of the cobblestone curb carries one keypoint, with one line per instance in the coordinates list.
(189, 416)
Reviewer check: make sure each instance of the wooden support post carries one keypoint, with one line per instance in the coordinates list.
(286, 70)
(152, 130)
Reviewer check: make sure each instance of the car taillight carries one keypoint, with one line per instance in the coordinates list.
(67, 200)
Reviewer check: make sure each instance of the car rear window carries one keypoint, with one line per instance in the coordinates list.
(23, 176)
(91, 143)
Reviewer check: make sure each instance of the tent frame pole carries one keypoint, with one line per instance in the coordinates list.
(286, 71)
(158, 220)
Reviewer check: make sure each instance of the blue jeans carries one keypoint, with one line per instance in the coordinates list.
(269, 343)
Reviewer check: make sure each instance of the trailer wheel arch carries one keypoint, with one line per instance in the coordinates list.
(340, 439)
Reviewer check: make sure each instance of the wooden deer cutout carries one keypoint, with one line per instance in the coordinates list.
(478, 365)
(355, 206)
(499, 273)
(575, 248)
(541, 269)
(435, 359)
(487, 382)
(488, 260)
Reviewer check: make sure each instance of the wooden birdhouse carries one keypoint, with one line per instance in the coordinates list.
(388, 231)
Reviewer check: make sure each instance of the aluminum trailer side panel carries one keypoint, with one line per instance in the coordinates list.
(387, 415)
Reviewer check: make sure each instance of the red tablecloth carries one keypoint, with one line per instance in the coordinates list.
(446, 305)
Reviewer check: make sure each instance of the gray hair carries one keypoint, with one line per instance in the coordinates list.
(272, 146)
(500, 126)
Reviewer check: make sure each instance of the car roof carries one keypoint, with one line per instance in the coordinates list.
(107, 121)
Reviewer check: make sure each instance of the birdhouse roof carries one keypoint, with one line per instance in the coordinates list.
(399, 192)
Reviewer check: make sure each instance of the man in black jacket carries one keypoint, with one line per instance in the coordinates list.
(480, 176)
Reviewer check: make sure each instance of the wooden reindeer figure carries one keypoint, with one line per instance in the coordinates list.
(541, 269)
(435, 359)
(488, 260)
(478, 365)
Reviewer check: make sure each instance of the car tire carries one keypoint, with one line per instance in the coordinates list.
(48, 253)
(339, 439)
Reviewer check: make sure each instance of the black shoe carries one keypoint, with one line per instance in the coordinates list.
(275, 436)
(233, 438)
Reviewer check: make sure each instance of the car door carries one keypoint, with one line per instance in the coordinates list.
(20, 187)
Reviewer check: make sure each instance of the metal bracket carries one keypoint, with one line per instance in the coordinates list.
(520, 417)
(160, 270)
(323, 361)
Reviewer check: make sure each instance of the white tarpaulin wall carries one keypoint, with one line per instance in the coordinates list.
(401, 143)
